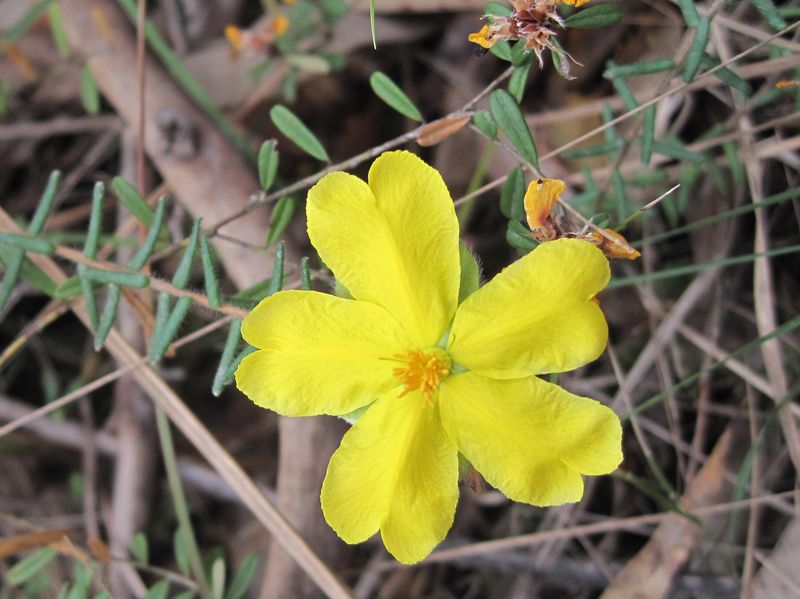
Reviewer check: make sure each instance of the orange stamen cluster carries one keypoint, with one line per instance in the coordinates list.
(423, 371)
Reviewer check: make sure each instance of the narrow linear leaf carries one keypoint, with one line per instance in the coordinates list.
(281, 217)
(133, 201)
(598, 15)
(181, 277)
(108, 317)
(57, 29)
(648, 134)
(90, 96)
(228, 352)
(268, 163)
(485, 123)
(675, 151)
(620, 195)
(235, 364)
(623, 90)
(609, 147)
(25, 22)
(770, 13)
(726, 75)
(69, 288)
(470, 272)
(218, 578)
(89, 298)
(163, 337)
(293, 128)
(209, 272)
(276, 280)
(441, 129)
(29, 566)
(45, 203)
(695, 56)
(28, 244)
(95, 220)
(372, 24)
(689, 12)
(143, 253)
(388, 91)
(645, 67)
(163, 307)
(242, 578)
(115, 277)
(512, 195)
(507, 114)
(305, 274)
(17, 265)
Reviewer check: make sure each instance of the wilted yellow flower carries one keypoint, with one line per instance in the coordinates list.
(436, 378)
(540, 198)
(614, 245)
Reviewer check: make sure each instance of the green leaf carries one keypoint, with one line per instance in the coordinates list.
(133, 201)
(267, 163)
(231, 345)
(90, 97)
(697, 49)
(507, 114)
(209, 272)
(293, 128)
(18, 29)
(276, 280)
(333, 9)
(243, 578)
(181, 277)
(689, 12)
(18, 266)
(497, 9)
(485, 123)
(673, 150)
(29, 566)
(388, 91)
(305, 274)
(645, 67)
(108, 316)
(26, 243)
(518, 79)
(512, 196)
(281, 217)
(140, 549)
(159, 590)
(519, 237)
(116, 277)
(470, 272)
(218, 578)
(622, 89)
(726, 75)
(70, 288)
(95, 221)
(502, 49)
(609, 147)
(648, 134)
(770, 13)
(57, 29)
(143, 253)
(179, 549)
(45, 204)
(598, 15)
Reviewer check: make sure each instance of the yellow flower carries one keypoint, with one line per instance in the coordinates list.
(438, 378)
(482, 38)
(575, 3)
(539, 200)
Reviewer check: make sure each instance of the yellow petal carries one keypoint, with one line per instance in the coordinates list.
(319, 354)
(393, 243)
(396, 470)
(528, 438)
(539, 200)
(536, 316)
(482, 38)
(576, 3)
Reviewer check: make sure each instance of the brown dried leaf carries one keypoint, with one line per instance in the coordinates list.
(437, 131)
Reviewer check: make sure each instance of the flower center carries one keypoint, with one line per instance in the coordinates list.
(423, 371)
